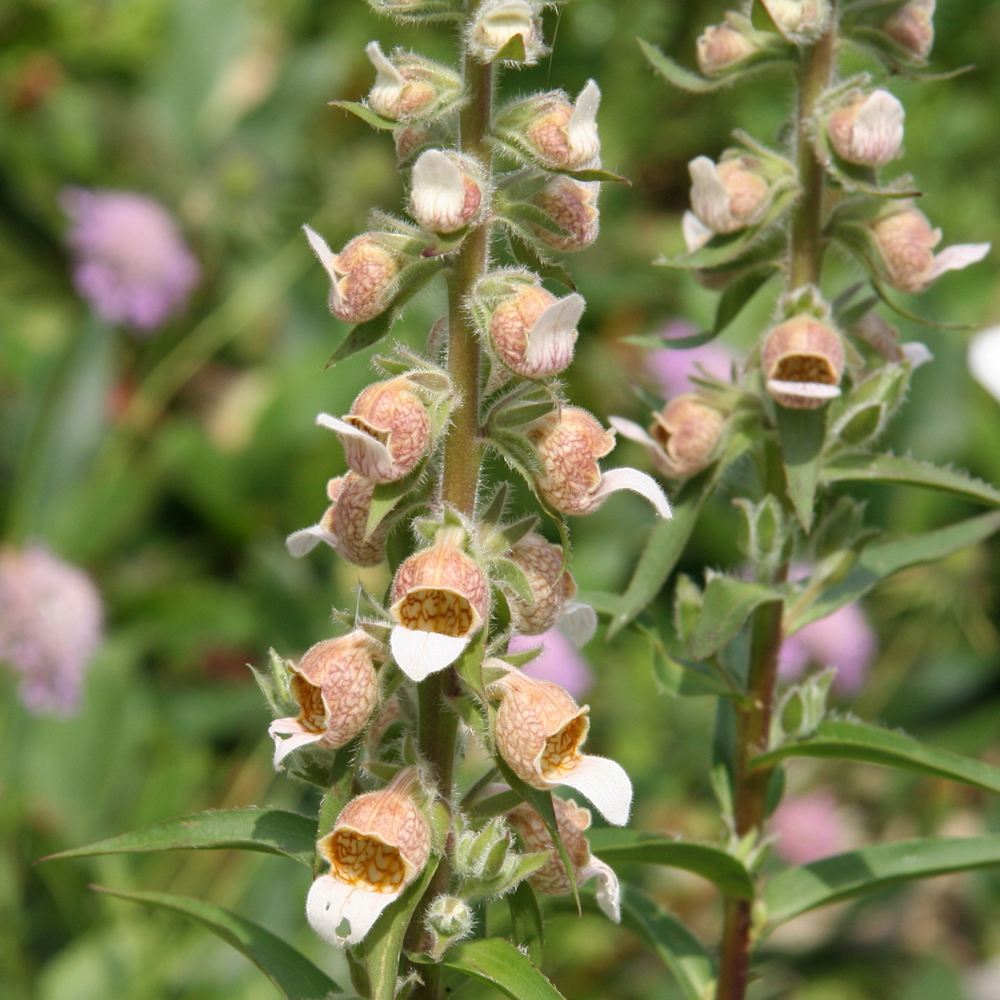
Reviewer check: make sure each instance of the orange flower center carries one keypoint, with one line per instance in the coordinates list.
(434, 609)
(366, 862)
(312, 711)
(561, 751)
(804, 368)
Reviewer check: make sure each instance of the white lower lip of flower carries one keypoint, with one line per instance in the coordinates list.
(419, 654)
(389, 82)
(709, 197)
(955, 258)
(919, 354)
(328, 259)
(609, 893)
(330, 902)
(302, 542)
(696, 234)
(604, 782)
(878, 129)
(636, 481)
(807, 390)
(984, 360)
(437, 197)
(581, 129)
(578, 623)
(297, 737)
(375, 459)
(553, 335)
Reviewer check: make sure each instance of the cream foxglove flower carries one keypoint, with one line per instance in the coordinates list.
(868, 130)
(407, 85)
(563, 136)
(803, 362)
(444, 196)
(336, 688)
(568, 443)
(721, 47)
(552, 879)
(729, 196)
(498, 21)
(572, 206)
(539, 730)
(912, 27)
(379, 845)
(440, 599)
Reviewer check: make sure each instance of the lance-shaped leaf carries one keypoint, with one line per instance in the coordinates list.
(291, 972)
(526, 918)
(726, 605)
(271, 831)
(801, 433)
(366, 114)
(856, 873)
(623, 847)
(847, 740)
(499, 964)
(907, 471)
(882, 559)
(386, 496)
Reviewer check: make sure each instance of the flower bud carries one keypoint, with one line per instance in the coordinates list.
(409, 86)
(440, 598)
(444, 196)
(410, 138)
(533, 332)
(539, 730)
(336, 688)
(379, 845)
(868, 130)
(387, 432)
(799, 20)
(560, 135)
(497, 22)
(803, 361)
(450, 917)
(569, 442)
(721, 47)
(906, 241)
(730, 196)
(362, 275)
(552, 879)
(541, 562)
(572, 205)
(912, 27)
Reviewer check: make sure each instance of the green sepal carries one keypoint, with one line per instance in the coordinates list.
(386, 497)
(801, 434)
(525, 251)
(366, 114)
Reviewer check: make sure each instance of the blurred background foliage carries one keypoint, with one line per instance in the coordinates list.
(171, 469)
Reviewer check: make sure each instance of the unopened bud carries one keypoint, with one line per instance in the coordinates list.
(868, 130)
(409, 86)
(912, 27)
(686, 433)
(498, 22)
(444, 195)
(799, 20)
(410, 139)
(803, 361)
(560, 135)
(450, 917)
(541, 562)
(533, 332)
(906, 242)
(721, 47)
(729, 196)
(572, 205)
(362, 275)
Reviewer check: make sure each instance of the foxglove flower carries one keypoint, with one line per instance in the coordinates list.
(844, 640)
(539, 730)
(569, 442)
(130, 262)
(445, 194)
(362, 276)
(906, 242)
(552, 879)
(984, 360)
(800, 21)
(336, 689)
(344, 525)
(379, 845)
(559, 661)
(387, 431)
(721, 47)
(572, 206)
(682, 439)
(51, 622)
(912, 27)
(803, 361)
(533, 333)
(407, 85)
(729, 196)
(440, 598)
(560, 135)
(496, 24)
(868, 130)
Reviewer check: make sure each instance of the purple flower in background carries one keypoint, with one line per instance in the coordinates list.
(560, 661)
(674, 369)
(809, 827)
(843, 640)
(50, 626)
(131, 264)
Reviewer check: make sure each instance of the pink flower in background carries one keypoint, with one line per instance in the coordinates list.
(843, 640)
(50, 626)
(809, 827)
(560, 661)
(130, 262)
(674, 369)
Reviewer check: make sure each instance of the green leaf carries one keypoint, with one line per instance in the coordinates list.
(524, 251)
(524, 212)
(526, 917)
(685, 79)
(909, 471)
(498, 963)
(385, 940)
(508, 574)
(597, 175)
(882, 559)
(291, 972)
(856, 873)
(365, 113)
(847, 740)
(801, 433)
(271, 831)
(726, 605)
(623, 847)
